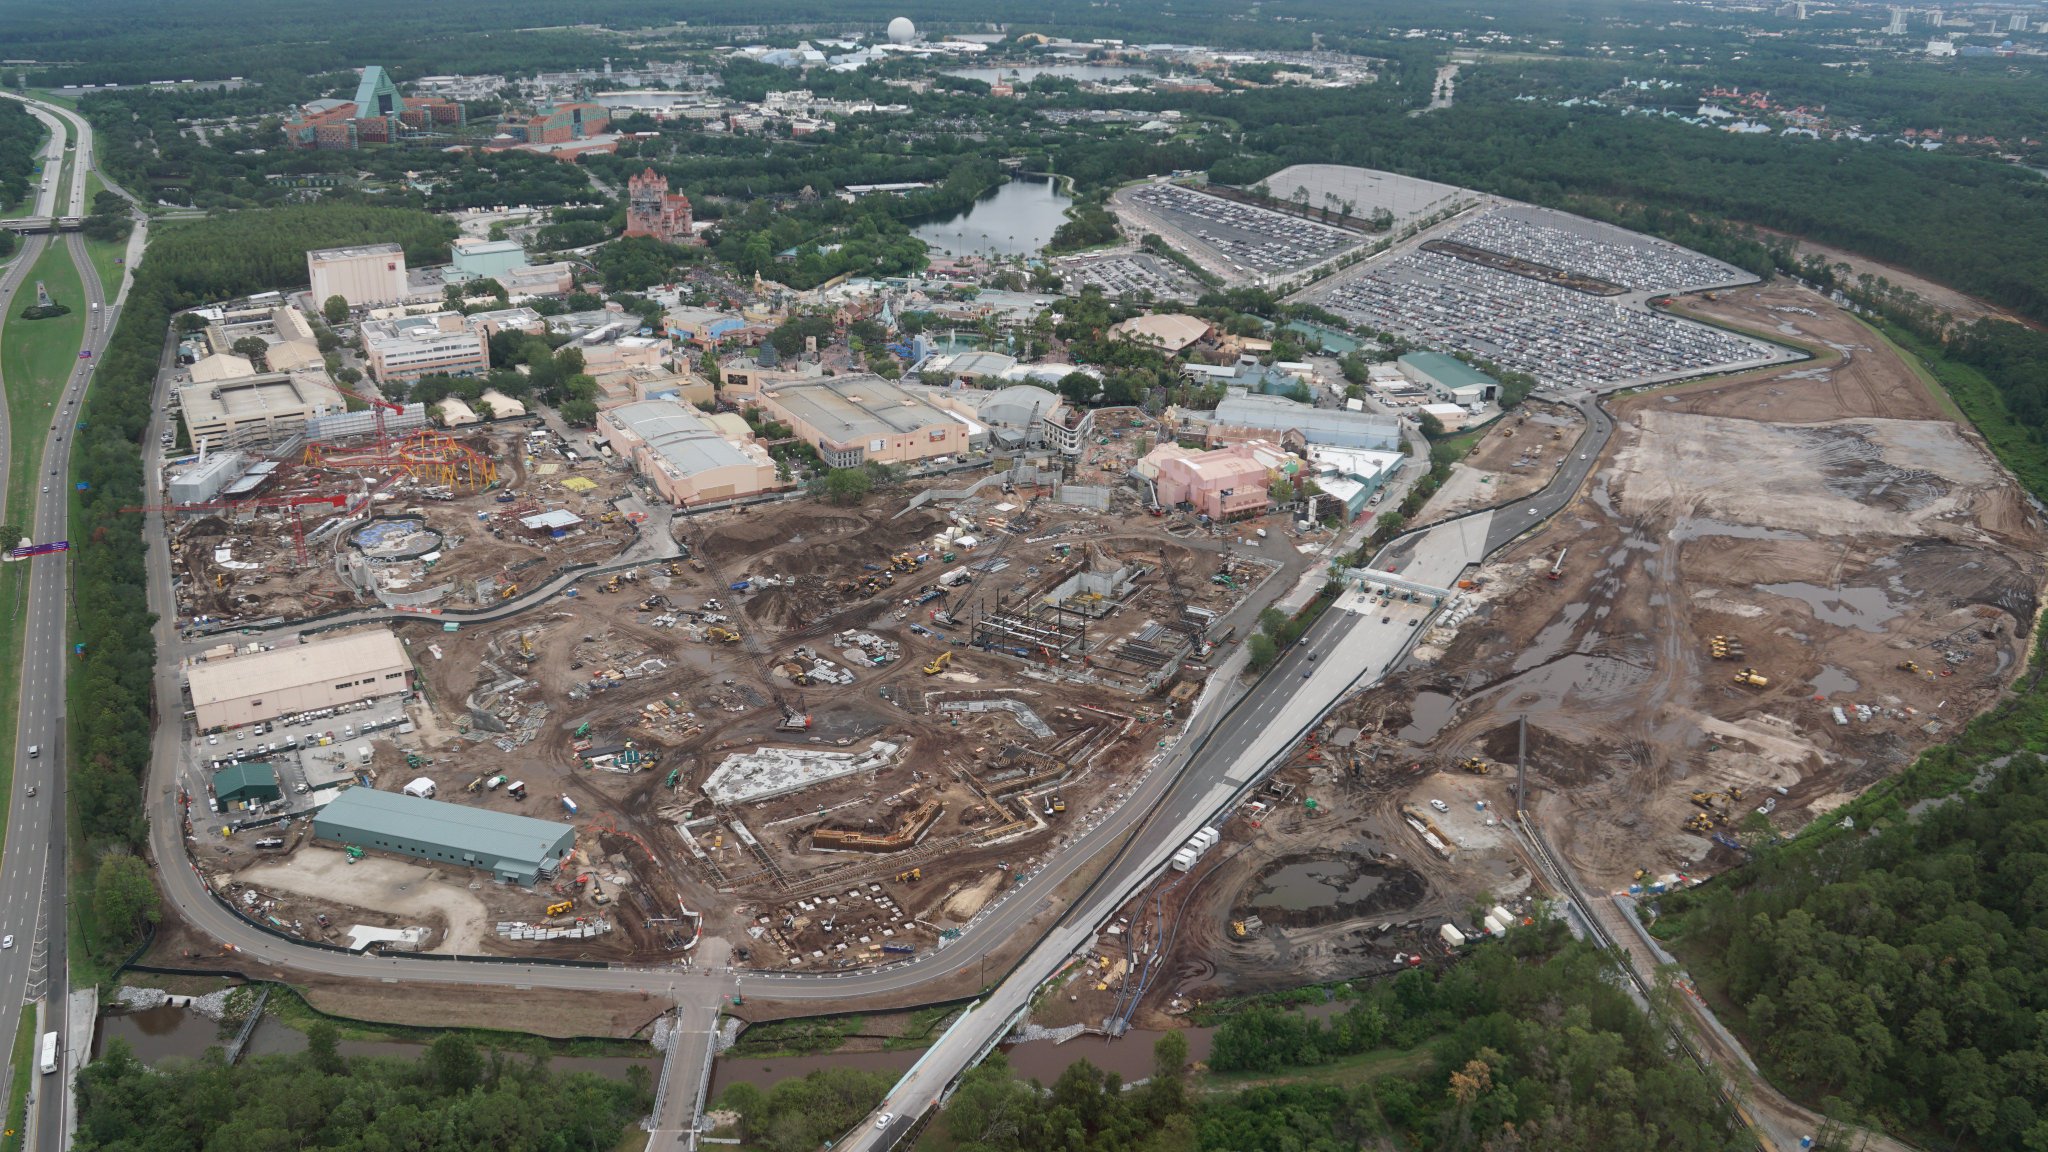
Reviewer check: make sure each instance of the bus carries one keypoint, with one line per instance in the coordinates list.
(49, 1052)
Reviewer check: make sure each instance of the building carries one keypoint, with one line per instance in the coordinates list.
(454, 412)
(231, 689)
(201, 482)
(1222, 484)
(539, 279)
(365, 275)
(221, 366)
(1027, 416)
(653, 210)
(406, 348)
(515, 849)
(245, 783)
(503, 407)
(558, 123)
(687, 459)
(248, 411)
(1169, 332)
(1449, 380)
(478, 259)
(377, 115)
(1243, 416)
(851, 420)
(520, 319)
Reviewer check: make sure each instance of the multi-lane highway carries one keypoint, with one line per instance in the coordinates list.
(33, 899)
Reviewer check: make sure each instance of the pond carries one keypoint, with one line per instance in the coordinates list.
(1016, 219)
(1026, 73)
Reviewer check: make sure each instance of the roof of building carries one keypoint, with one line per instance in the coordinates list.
(221, 366)
(679, 435)
(491, 836)
(1221, 464)
(232, 678)
(850, 407)
(428, 329)
(1448, 371)
(1251, 410)
(478, 246)
(247, 774)
(247, 397)
(553, 518)
(1018, 406)
(502, 405)
(354, 251)
(454, 410)
(1169, 330)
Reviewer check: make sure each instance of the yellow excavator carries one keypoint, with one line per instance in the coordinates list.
(910, 877)
(721, 635)
(938, 664)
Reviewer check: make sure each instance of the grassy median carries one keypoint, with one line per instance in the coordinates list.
(17, 1087)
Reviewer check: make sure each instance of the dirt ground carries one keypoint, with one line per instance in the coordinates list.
(1517, 456)
(1864, 556)
(1965, 308)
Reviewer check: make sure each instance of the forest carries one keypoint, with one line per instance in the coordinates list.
(1899, 969)
(110, 685)
(1525, 1044)
(456, 1096)
(21, 137)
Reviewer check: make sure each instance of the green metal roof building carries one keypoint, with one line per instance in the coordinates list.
(245, 783)
(515, 849)
(1449, 377)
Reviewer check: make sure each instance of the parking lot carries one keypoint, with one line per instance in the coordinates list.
(310, 752)
(1246, 238)
(1589, 248)
(1131, 275)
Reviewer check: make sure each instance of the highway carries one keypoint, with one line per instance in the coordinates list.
(33, 900)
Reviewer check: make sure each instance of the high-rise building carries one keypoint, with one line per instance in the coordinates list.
(652, 210)
(377, 115)
(1898, 25)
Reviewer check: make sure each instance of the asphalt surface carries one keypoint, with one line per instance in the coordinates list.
(34, 899)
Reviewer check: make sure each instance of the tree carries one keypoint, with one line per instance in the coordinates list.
(581, 413)
(1432, 428)
(1272, 621)
(844, 485)
(349, 376)
(452, 1063)
(1261, 650)
(1078, 387)
(254, 348)
(124, 900)
(323, 1046)
(335, 309)
(1281, 490)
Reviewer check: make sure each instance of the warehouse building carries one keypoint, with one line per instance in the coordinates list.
(1243, 416)
(851, 420)
(516, 849)
(687, 459)
(230, 689)
(247, 784)
(1449, 380)
(363, 275)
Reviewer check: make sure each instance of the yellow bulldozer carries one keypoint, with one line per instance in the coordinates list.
(1909, 666)
(1751, 678)
(1725, 648)
(938, 664)
(1477, 765)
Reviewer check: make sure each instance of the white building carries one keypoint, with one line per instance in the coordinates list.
(363, 275)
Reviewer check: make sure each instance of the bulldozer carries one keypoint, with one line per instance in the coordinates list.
(1725, 648)
(1751, 678)
(1477, 765)
(938, 664)
(910, 877)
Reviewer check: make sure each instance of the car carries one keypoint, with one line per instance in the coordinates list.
(213, 737)
(1312, 656)
(6, 941)
(882, 1122)
(1305, 672)
(46, 487)
(35, 750)
(1386, 619)
(1439, 805)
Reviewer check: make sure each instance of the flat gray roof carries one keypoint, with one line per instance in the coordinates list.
(353, 250)
(680, 436)
(488, 836)
(846, 407)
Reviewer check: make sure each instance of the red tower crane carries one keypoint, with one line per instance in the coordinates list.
(293, 503)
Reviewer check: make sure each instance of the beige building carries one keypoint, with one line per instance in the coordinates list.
(687, 459)
(854, 419)
(363, 274)
(1167, 331)
(231, 689)
(409, 347)
(249, 410)
(626, 385)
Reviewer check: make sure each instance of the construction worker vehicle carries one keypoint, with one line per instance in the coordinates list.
(1055, 805)
(910, 877)
(1725, 648)
(611, 585)
(721, 635)
(560, 906)
(1476, 765)
(1701, 823)
(1751, 678)
(1909, 666)
(938, 664)
(354, 853)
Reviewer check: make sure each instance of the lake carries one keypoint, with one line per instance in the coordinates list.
(1015, 219)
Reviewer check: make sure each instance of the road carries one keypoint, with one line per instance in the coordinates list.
(34, 900)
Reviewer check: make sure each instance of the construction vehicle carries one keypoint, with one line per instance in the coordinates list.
(611, 585)
(910, 877)
(508, 591)
(938, 664)
(583, 729)
(1725, 648)
(354, 853)
(1701, 823)
(560, 906)
(1706, 799)
(721, 635)
(1237, 929)
(1054, 805)
(1557, 569)
(475, 785)
(696, 565)
(1750, 677)
(1476, 765)
(1909, 666)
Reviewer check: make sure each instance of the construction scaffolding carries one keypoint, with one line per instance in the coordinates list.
(1022, 632)
(428, 457)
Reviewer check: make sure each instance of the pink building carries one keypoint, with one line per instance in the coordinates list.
(1222, 484)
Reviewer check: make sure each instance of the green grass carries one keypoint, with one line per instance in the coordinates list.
(923, 1028)
(1979, 400)
(36, 358)
(13, 603)
(1344, 1071)
(103, 253)
(288, 1008)
(809, 1037)
(17, 1088)
(28, 202)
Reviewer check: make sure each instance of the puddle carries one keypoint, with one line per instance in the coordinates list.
(1862, 608)
(1428, 714)
(1314, 883)
(1550, 642)
(1832, 680)
(1130, 1057)
(1695, 527)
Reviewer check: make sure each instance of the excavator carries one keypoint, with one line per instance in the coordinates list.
(911, 876)
(721, 635)
(938, 664)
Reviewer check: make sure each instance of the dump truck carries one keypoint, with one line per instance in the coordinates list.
(1751, 678)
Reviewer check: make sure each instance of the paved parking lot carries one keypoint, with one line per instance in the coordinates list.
(1248, 238)
(296, 751)
(1590, 248)
(1135, 275)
